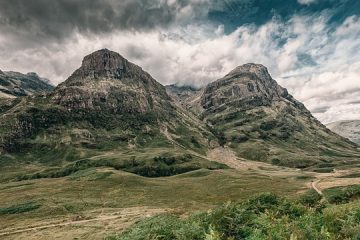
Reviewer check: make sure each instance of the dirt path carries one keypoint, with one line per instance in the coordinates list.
(313, 185)
(128, 215)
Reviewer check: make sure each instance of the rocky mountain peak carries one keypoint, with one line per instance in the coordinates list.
(250, 83)
(104, 60)
(103, 64)
(258, 69)
(1, 72)
(106, 80)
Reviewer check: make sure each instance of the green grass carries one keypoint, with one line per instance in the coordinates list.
(352, 175)
(20, 208)
(90, 174)
(265, 216)
(164, 165)
(340, 195)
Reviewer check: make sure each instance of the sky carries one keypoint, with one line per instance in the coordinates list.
(311, 47)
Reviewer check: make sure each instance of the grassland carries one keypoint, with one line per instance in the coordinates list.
(265, 216)
(89, 193)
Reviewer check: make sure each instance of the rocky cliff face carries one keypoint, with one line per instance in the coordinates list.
(107, 81)
(261, 121)
(110, 104)
(14, 84)
(249, 84)
(348, 129)
(110, 99)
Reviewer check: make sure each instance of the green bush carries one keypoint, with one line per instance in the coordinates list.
(160, 166)
(20, 208)
(265, 216)
(340, 195)
(164, 227)
(311, 198)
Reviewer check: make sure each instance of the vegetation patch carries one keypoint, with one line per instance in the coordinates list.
(19, 208)
(324, 170)
(161, 166)
(352, 175)
(339, 195)
(265, 216)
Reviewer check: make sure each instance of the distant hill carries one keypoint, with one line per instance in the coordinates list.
(14, 84)
(348, 129)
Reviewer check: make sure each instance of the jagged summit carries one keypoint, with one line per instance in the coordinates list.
(247, 83)
(106, 80)
(104, 64)
(1, 72)
(104, 61)
(260, 70)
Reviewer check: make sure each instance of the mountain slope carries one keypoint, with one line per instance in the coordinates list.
(261, 121)
(109, 107)
(348, 129)
(14, 84)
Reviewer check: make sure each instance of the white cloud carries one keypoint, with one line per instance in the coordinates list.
(319, 66)
(306, 2)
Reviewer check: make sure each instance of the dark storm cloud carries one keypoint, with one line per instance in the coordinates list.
(57, 19)
(234, 13)
(310, 46)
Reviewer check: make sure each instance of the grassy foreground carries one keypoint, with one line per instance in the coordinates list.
(265, 216)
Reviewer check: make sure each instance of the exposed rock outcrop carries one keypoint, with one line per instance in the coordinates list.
(261, 121)
(14, 84)
(106, 80)
(249, 84)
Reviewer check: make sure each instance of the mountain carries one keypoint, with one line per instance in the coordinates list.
(107, 81)
(186, 96)
(108, 107)
(261, 121)
(14, 84)
(349, 129)
(112, 113)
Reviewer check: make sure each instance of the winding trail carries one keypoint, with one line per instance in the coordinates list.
(313, 185)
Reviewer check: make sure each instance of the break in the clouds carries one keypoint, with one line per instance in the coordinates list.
(310, 47)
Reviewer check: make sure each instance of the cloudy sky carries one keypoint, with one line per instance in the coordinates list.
(311, 47)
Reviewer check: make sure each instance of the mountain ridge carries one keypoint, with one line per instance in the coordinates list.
(110, 104)
(347, 128)
(15, 84)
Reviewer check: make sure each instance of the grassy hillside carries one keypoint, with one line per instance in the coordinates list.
(262, 217)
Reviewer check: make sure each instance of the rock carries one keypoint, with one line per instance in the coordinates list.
(15, 84)
(249, 83)
(261, 120)
(107, 81)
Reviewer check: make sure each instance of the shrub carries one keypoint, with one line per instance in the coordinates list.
(20, 208)
(265, 216)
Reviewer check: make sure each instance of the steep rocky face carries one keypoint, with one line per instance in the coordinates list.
(249, 84)
(261, 121)
(107, 103)
(186, 96)
(107, 81)
(348, 129)
(14, 84)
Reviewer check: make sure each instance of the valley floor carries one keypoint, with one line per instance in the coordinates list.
(97, 202)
